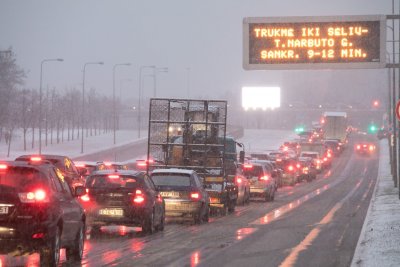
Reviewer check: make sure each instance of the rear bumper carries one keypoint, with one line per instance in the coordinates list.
(179, 208)
(130, 217)
(16, 239)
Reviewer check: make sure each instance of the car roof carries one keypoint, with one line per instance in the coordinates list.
(37, 166)
(43, 156)
(120, 172)
(174, 170)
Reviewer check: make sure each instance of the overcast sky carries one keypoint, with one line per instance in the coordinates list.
(197, 40)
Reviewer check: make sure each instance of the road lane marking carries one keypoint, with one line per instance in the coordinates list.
(308, 240)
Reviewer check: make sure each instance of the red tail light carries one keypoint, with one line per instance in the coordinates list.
(3, 167)
(139, 198)
(113, 176)
(247, 166)
(298, 165)
(85, 197)
(38, 235)
(238, 180)
(141, 163)
(325, 159)
(371, 147)
(264, 178)
(290, 168)
(108, 164)
(195, 195)
(159, 198)
(37, 196)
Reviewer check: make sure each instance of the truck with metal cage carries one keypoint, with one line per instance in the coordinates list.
(191, 134)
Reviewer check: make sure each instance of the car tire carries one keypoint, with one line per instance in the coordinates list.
(50, 256)
(75, 253)
(148, 224)
(206, 217)
(231, 206)
(247, 198)
(161, 226)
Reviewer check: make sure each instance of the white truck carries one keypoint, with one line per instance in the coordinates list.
(335, 126)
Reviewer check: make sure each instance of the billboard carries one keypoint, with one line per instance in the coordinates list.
(261, 97)
(314, 42)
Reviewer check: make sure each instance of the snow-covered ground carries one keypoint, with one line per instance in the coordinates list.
(70, 148)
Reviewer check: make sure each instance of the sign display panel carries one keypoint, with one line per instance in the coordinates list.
(314, 42)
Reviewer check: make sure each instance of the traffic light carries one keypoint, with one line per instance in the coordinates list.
(299, 129)
(372, 128)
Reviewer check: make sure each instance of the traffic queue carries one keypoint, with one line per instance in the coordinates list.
(90, 195)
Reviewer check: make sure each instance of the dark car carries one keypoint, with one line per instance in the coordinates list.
(334, 145)
(262, 182)
(108, 165)
(86, 168)
(365, 148)
(63, 163)
(184, 194)
(307, 169)
(290, 172)
(39, 213)
(123, 197)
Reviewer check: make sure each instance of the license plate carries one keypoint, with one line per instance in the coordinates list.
(169, 194)
(111, 212)
(3, 210)
(214, 200)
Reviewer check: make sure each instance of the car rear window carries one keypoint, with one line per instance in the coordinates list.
(309, 155)
(254, 171)
(171, 179)
(21, 179)
(114, 181)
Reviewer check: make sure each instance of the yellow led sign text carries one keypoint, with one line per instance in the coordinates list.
(277, 43)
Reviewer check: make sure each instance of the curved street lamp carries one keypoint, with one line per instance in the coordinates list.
(40, 99)
(114, 113)
(83, 97)
(140, 95)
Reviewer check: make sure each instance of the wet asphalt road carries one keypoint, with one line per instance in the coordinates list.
(309, 224)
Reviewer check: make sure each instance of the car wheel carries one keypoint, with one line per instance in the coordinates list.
(231, 206)
(206, 217)
(161, 226)
(75, 253)
(247, 201)
(51, 256)
(148, 224)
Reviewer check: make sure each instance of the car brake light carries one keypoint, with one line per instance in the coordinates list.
(36, 159)
(195, 195)
(85, 197)
(298, 165)
(264, 178)
(159, 198)
(80, 165)
(113, 176)
(238, 180)
(290, 168)
(371, 148)
(139, 198)
(325, 159)
(247, 166)
(278, 160)
(38, 235)
(32, 197)
(141, 163)
(3, 167)
(358, 147)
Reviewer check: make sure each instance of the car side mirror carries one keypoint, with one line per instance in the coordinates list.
(80, 191)
(241, 156)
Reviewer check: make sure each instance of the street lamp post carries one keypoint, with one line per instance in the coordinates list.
(188, 82)
(140, 96)
(40, 100)
(114, 113)
(155, 71)
(83, 97)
